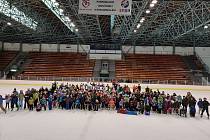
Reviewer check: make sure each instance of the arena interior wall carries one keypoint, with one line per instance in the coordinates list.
(86, 48)
(158, 50)
(44, 47)
(144, 49)
(163, 50)
(128, 49)
(12, 46)
(68, 48)
(31, 47)
(204, 53)
(49, 47)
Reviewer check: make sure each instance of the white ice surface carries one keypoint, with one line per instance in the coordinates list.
(102, 125)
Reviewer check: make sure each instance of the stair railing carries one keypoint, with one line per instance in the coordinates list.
(206, 67)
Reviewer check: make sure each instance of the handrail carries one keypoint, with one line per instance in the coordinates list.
(7, 68)
(202, 62)
(110, 79)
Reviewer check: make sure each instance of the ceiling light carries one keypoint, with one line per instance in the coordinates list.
(76, 30)
(67, 19)
(72, 24)
(206, 27)
(13, 70)
(147, 11)
(154, 1)
(8, 23)
(138, 26)
(56, 4)
(61, 10)
(134, 31)
(152, 5)
(142, 20)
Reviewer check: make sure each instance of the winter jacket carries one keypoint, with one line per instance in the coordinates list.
(1, 101)
(205, 104)
(185, 101)
(50, 99)
(179, 98)
(35, 96)
(121, 103)
(192, 102)
(31, 101)
(200, 104)
(146, 101)
(21, 96)
(160, 102)
(14, 99)
(8, 99)
(43, 101)
(154, 102)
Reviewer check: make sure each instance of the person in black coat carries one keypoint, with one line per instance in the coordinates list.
(26, 97)
(185, 103)
(192, 104)
(14, 101)
(205, 107)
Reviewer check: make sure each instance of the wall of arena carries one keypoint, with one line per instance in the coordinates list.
(7, 86)
(85, 48)
(44, 47)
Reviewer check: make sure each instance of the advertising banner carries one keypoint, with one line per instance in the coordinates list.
(105, 7)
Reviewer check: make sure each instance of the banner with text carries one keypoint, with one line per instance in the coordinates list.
(105, 7)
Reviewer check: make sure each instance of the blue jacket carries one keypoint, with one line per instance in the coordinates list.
(1, 100)
(50, 99)
(14, 99)
(200, 104)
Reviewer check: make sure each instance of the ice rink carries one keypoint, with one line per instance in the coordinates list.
(102, 125)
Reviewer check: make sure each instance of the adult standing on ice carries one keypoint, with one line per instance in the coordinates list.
(27, 97)
(14, 101)
(20, 99)
(205, 107)
(1, 104)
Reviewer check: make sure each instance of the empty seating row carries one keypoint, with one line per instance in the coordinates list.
(59, 64)
(5, 58)
(152, 67)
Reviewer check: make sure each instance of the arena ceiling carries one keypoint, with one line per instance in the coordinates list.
(170, 22)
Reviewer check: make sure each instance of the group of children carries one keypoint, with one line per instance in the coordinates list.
(91, 96)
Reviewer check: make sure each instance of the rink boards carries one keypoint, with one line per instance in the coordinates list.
(7, 86)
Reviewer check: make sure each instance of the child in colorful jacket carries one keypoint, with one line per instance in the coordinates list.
(160, 104)
(8, 100)
(50, 102)
(200, 105)
(43, 102)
